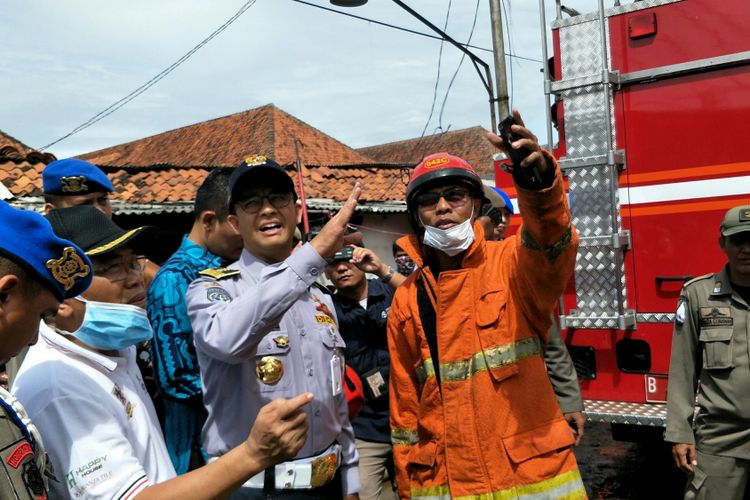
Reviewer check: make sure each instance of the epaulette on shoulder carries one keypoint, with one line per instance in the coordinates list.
(219, 273)
(699, 278)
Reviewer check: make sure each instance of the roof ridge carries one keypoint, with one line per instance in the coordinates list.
(318, 131)
(425, 138)
(189, 125)
(15, 141)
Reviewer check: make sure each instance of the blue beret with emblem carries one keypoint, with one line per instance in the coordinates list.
(74, 177)
(27, 239)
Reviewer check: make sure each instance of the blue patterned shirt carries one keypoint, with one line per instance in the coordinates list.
(172, 348)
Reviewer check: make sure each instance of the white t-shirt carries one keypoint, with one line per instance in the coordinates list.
(98, 423)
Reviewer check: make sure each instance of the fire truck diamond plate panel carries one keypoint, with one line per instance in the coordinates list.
(599, 272)
(620, 412)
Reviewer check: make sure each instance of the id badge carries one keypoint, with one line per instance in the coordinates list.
(337, 376)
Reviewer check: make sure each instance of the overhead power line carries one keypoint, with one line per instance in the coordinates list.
(458, 68)
(437, 77)
(153, 81)
(407, 30)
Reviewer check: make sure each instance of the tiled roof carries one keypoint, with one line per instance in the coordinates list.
(9, 140)
(266, 130)
(161, 173)
(21, 167)
(471, 144)
(169, 188)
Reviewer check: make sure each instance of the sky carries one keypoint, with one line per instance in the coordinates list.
(363, 84)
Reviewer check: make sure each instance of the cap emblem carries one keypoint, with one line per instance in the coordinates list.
(436, 162)
(67, 268)
(745, 215)
(254, 160)
(74, 184)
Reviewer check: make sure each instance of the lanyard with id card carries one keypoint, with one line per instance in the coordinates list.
(337, 366)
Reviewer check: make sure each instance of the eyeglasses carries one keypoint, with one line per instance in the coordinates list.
(117, 270)
(253, 204)
(455, 196)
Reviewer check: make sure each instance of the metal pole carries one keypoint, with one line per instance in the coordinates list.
(303, 199)
(501, 80)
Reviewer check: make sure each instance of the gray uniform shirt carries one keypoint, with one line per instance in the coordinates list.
(562, 372)
(240, 319)
(710, 345)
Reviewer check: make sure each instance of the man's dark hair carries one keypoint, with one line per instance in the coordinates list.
(52, 199)
(29, 285)
(213, 194)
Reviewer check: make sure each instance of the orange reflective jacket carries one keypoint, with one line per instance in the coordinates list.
(493, 429)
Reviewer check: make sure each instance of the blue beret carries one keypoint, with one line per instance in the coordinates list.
(506, 199)
(27, 239)
(73, 176)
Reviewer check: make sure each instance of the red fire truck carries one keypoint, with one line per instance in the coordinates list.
(652, 104)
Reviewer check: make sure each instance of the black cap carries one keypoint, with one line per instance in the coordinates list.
(254, 167)
(96, 233)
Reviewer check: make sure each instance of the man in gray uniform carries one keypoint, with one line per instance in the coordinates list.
(263, 331)
(710, 345)
(562, 374)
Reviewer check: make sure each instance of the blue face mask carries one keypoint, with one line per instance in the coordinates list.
(113, 326)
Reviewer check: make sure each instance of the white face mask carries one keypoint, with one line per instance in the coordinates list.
(453, 240)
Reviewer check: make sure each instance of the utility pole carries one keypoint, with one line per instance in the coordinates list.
(498, 47)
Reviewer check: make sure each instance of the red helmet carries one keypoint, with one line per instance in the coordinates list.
(441, 166)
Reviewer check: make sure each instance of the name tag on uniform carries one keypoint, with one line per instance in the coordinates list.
(324, 319)
(337, 376)
(715, 316)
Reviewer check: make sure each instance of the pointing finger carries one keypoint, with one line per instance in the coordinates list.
(288, 406)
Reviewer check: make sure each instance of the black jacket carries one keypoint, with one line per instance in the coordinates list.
(364, 332)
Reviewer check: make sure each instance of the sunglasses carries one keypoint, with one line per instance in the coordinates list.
(455, 196)
(740, 239)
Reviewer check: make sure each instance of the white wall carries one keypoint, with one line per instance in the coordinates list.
(378, 233)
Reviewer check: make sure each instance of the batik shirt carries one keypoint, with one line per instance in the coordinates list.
(173, 352)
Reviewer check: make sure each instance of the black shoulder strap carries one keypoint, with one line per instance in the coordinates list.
(429, 324)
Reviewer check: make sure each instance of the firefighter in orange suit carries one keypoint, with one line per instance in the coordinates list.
(473, 414)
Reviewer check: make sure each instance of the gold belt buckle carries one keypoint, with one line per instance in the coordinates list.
(323, 470)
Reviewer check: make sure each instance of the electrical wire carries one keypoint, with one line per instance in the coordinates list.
(407, 30)
(376, 230)
(153, 81)
(455, 74)
(403, 176)
(437, 78)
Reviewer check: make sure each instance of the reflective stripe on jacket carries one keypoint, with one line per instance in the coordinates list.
(493, 427)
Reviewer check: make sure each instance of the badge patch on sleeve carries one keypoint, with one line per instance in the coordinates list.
(216, 294)
(679, 317)
(715, 316)
(21, 451)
